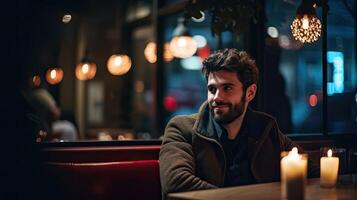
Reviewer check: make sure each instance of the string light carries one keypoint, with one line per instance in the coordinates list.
(86, 70)
(150, 52)
(119, 64)
(36, 80)
(54, 75)
(167, 53)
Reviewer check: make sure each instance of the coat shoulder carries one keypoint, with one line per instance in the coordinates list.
(263, 116)
(181, 124)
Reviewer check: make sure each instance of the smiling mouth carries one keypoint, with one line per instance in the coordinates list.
(220, 107)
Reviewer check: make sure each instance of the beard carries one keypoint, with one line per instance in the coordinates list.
(226, 117)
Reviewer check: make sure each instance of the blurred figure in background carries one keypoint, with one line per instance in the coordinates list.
(50, 114)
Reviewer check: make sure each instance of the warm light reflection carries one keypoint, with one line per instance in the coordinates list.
(286, 43)
(36, 80)
(66, 19)
(85, 71)
(104, 136)
(54, 75)
(183, 46)
(119, 64)
(139, 86)
(306, 28)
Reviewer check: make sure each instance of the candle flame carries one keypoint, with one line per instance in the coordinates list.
(329, 153)
(293, 154)
(294, 150)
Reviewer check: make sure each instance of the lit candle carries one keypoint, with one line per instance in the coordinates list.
(329, 170)
(293, 175)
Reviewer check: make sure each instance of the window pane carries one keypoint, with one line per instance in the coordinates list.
(138, 9)
(185, 85)
(142, 110)
(341, 59)
(292, 72)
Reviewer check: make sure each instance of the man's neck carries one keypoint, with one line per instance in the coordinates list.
(234, 127)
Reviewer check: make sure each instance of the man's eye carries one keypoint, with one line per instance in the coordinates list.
(212, 90)
(226, 88)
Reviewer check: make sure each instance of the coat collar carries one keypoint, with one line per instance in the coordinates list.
(204, 123)
(206, 126)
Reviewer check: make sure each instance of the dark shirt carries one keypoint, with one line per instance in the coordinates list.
(238, 156)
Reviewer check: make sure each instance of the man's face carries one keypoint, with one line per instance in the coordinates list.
(226, 97)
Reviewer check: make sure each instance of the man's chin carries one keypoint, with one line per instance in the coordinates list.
(222, 119)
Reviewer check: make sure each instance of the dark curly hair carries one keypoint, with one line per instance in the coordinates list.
(234, 61)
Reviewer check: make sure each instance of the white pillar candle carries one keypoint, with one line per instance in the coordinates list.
(293, 175)
(328, 170)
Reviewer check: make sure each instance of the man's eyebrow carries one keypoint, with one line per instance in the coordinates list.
(223, 84)
(227, 84)
(211, 85)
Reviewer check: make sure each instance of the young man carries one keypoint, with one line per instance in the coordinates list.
(226, 143)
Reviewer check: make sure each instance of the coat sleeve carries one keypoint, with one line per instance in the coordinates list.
(177, 162)
(287, 144)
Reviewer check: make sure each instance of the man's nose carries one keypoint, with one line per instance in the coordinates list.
(218, 96)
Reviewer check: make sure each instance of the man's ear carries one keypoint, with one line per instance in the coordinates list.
(250, 92)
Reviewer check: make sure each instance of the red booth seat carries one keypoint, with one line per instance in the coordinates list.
(110, 180)
(100, 154)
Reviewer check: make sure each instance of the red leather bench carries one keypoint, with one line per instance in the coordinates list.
(100, 154)
(111, 180)
(109, 172)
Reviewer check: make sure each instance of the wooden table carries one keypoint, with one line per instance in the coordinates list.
(269, 191)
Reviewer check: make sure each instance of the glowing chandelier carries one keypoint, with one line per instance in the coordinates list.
(306, 27)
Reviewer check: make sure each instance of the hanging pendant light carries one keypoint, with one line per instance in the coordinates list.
(86, 69)
(150, 52)
(306, 27)
(182, 45)
(54, 75)
(36, 80)
(167, 53)
(119, 64)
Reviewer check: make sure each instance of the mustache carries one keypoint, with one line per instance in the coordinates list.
(220, 103)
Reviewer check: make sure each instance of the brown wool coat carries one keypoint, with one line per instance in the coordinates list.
(191, 158)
